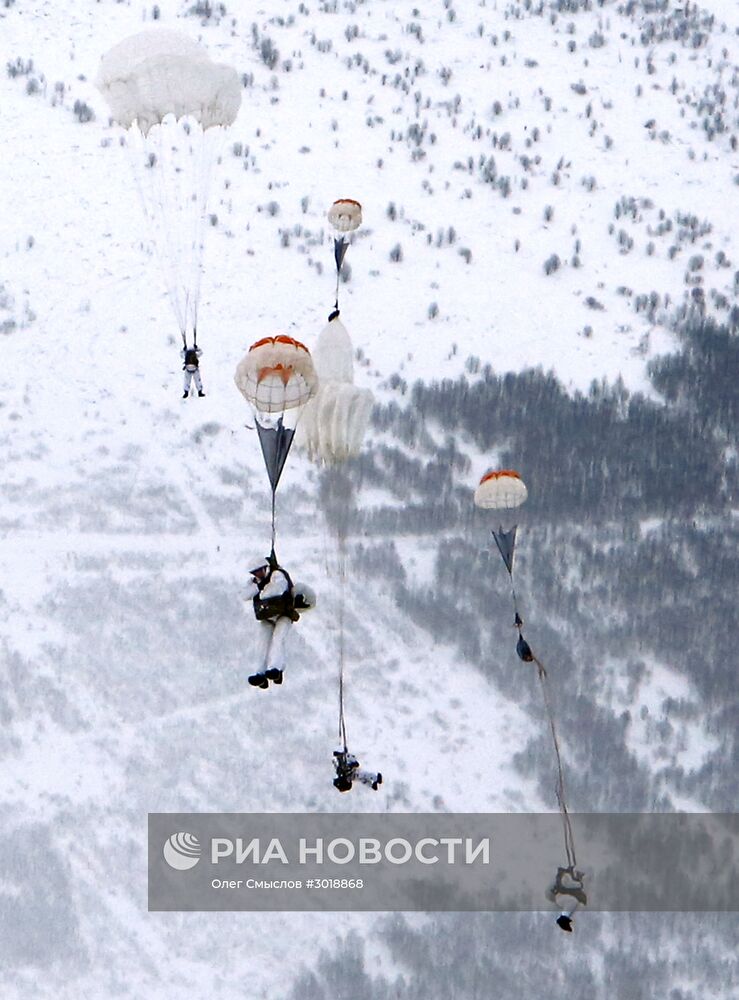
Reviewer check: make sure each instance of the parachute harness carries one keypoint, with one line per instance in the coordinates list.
(162, 235)
(569, 838)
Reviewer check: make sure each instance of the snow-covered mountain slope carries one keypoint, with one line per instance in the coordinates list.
(483, 141)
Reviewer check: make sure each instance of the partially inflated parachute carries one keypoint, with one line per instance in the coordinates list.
(277, 378)
(175, 103)
(335, 420)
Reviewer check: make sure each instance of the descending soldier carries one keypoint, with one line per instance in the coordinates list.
(348, 771)
(567, 893)
(191, 367)
(278, 602)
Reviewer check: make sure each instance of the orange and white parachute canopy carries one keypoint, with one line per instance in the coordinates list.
(276, 374)
(277, 378)
(500, 489)
(345, 215)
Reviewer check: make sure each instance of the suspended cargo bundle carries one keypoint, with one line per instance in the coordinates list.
(175, 103)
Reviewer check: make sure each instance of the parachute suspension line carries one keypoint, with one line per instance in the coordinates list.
(197, 233)
(158, 233)
(335, 535)
(168, 201)
(187, 312)
(179, 182)
(211, 146)
(274, 528)
(342, 719)
(518, 621)
(569, 836)
(342, 723)
(166, 174)
(189, 177)
(342, 604)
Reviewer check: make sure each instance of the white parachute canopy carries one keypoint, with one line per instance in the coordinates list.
(175, 103)
(335, 420)
(160, 72)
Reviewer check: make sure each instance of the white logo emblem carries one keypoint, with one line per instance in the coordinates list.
(182, 851)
